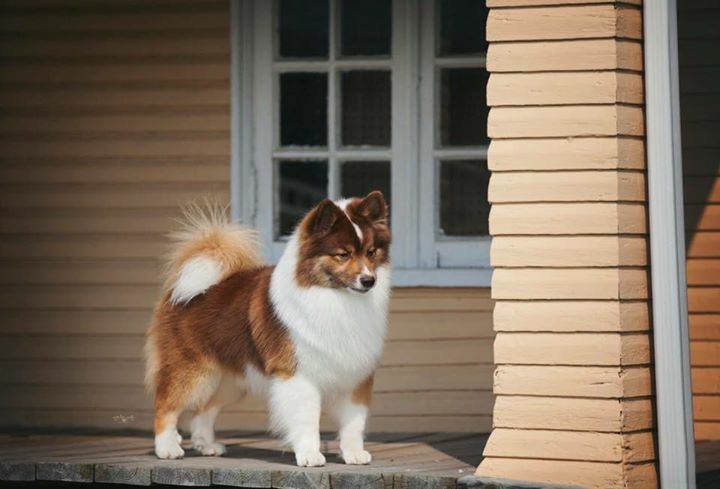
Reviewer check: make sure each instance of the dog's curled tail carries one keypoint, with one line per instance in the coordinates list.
(206, 249)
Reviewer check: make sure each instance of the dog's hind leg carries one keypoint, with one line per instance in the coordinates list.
(176, 391)
(202, 425)
(167, 438)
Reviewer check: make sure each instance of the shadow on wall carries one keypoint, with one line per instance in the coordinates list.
(699, 58)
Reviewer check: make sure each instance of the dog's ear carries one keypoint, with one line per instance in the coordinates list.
(373, 207)
(323, 217)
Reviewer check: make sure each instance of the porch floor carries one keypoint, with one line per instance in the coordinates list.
(253, 460)
(400, 461)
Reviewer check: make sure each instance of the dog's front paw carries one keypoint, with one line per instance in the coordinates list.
(310, 459)
(167, 446)
(356, 457)
(209, 449)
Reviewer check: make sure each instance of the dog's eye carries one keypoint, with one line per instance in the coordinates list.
(342, 255)
(371, 252)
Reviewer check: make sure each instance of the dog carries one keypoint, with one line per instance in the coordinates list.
(306, 334)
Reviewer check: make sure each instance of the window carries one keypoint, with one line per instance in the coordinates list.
(335, 98)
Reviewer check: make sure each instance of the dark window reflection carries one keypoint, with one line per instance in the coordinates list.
(359, 178)
(462, 27)
(366, 108)
(366, 27)
(464, 207)
(463, 109)
(303, 109)
(302, 185)
(303, 28)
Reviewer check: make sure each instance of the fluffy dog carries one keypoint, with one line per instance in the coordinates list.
(306, 333)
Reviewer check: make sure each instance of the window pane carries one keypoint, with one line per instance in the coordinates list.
(302, 185)
(365, 108)
(303, 109)
(462, 27)
(303, 28)
(464, 208)
(463, 110)
(359, 178)
(366, 26)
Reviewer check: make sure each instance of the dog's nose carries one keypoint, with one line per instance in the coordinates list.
(367, 281)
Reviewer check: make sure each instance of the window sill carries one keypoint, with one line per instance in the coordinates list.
(441, 277)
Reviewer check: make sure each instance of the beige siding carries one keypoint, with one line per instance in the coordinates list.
(700, 111)
(573, 378)
(82, 365)
(113, 114)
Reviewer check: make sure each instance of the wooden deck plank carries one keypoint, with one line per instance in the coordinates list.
(402, 461)
(65, 472)
(17, 472)
(133, 472)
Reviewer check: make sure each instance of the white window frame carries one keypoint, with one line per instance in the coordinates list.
(419, 257)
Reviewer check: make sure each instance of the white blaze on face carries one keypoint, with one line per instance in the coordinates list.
(342, 204)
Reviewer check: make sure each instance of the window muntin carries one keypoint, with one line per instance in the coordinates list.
(407, 117)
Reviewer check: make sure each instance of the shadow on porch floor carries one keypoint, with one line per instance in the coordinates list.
(253, 460)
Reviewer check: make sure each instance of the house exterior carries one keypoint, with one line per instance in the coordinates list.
(115, 113)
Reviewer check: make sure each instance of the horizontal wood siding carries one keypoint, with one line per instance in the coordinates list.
(573, 351)
(700, 113)
(113, 114)
(78, 362)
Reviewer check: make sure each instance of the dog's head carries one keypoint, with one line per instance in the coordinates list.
(341, 245)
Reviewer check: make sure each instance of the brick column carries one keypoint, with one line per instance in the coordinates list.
(572, 351)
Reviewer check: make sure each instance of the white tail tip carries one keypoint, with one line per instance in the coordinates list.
(196, 276)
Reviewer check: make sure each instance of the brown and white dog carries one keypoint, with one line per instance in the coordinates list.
(306, 333)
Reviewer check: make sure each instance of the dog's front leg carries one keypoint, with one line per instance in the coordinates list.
(295, 405)
(351, 412)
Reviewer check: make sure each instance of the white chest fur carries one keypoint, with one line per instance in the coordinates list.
(338, 334)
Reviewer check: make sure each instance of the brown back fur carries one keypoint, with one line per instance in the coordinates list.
(229, 327)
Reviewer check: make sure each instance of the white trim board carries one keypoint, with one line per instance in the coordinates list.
(667, 247)
(441, 277)
(243, 177)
